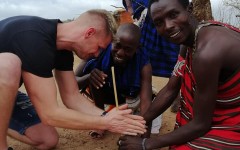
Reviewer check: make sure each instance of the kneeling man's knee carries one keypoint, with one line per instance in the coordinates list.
(10, 66)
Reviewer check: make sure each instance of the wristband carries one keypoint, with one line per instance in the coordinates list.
(143, 144)
(104, 113)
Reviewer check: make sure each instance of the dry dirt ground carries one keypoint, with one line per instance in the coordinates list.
(80, 140)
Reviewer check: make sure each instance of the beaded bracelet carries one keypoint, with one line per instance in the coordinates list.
(143, 144)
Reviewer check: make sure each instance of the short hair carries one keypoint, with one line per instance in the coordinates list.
(184, 3)
(131, 29)
(111, 25)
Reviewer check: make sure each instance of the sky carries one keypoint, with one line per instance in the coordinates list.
(62, 9)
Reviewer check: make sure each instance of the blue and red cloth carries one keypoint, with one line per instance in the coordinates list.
(163, 54)
(225, 127)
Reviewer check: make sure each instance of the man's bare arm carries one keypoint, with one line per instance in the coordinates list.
(43, 93)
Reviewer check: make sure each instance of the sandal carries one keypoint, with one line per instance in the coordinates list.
(97, 134)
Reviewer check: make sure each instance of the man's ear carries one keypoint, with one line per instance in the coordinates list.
(190, 8)
(90, 32)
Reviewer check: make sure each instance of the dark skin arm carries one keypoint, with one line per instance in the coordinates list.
(146, 92)
(163, 100)
(203, 106)
(146, 88)
(207, 65)
(166, 96)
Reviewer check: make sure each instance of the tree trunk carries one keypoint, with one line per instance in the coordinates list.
(202, 9)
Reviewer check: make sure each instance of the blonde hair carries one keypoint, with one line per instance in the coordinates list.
(110, 22)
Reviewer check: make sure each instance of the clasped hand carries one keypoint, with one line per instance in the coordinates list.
(97, 78)
(130, 143)
(119, 120)
(122, 121)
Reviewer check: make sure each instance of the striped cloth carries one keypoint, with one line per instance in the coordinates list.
(162, 53)
(225, 130)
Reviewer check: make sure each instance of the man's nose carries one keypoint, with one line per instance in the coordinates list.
(169, 24)
(120, 52)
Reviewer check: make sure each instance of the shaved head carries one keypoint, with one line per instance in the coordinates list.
(129, 30)
(126, 44)
(100, 19)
